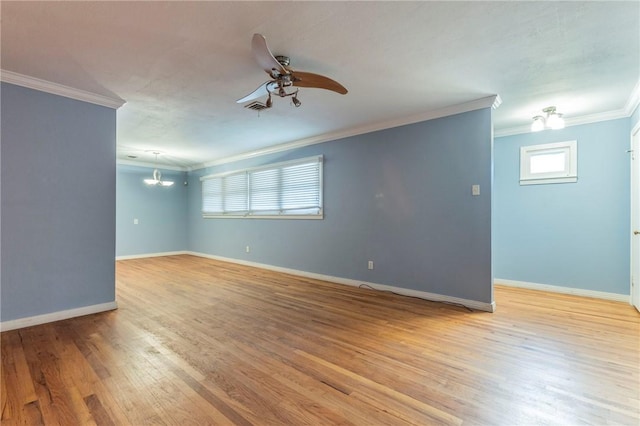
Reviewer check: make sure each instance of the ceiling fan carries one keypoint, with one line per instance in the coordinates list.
(283, 78)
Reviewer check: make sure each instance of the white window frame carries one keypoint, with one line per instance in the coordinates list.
(272, 214)
(569, 174)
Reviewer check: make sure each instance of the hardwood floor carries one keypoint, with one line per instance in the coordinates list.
(197, 341)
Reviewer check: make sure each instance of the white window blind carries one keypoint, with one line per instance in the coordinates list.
(234, 194)
(265, 190)
(212, 195)
(226, 195)
(290, 189)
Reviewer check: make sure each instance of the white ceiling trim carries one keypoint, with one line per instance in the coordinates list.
(630, 106)
(634, 100)
(59, 89)
(574, 121)
(492, 101)
(151, 165)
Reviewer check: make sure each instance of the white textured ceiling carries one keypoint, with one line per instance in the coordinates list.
(180, 66)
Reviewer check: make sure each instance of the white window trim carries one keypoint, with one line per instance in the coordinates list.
(568, 175)
(251, 215)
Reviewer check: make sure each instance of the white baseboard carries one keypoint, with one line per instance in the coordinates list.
(474, 304)
(57, 316)
(564, 290)
(145, 255)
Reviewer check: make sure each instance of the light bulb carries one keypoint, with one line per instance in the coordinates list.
(538, 123)
(555, 121)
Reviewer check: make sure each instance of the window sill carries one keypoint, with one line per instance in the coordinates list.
(284, 216)
(548, 181)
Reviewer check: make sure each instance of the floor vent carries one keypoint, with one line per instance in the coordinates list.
(256, 106)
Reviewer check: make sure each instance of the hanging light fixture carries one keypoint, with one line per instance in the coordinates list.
(157, 176)
(552, 120)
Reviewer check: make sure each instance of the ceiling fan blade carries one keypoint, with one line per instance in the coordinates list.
(308, 79)
(261, 91)
(264, 57)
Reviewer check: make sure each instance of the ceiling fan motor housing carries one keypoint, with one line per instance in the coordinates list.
(284, 60)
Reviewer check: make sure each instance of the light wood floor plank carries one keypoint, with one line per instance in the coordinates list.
(197, 341)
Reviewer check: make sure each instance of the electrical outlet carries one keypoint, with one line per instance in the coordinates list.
(248, 249)
(475, 189)
(135, 221)
(370, 264)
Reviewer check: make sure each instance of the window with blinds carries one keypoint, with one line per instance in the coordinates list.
(292, 189)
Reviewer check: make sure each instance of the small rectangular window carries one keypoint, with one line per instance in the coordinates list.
(549, 163)
(291, 189)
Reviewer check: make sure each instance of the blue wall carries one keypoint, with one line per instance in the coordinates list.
(161, 212)
(400, 197)
(574, 234)
(58, 203)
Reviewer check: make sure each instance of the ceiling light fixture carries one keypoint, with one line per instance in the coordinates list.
(552, 120)
(281, 91)
(295, 100)
(157, 176)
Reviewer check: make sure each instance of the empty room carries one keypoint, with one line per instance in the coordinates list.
(319, 213)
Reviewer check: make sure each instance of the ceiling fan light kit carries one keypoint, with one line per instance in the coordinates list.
(283, 78)
(551, 120)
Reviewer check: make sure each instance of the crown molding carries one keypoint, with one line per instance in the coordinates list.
(149, 165)
(629, 107)
(59, 89)
(492, 101)
(496, 102)
(633, 101)
(568, 122)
